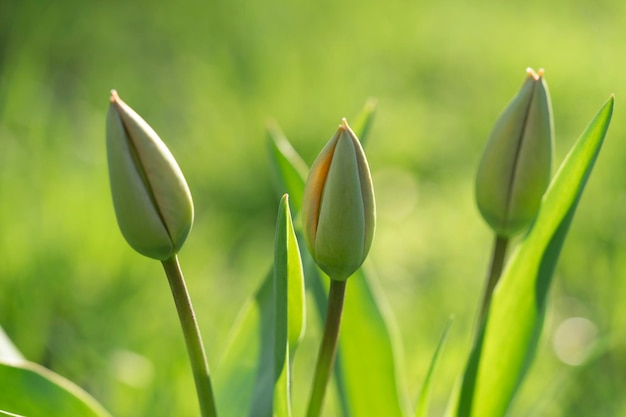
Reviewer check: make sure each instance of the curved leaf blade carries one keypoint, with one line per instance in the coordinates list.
(251, 378)
(362, 124)
(289, 307)
(244, 375)
(6, 413)
(32, 390)
(287, 167)
(424, 398)
(368, 359)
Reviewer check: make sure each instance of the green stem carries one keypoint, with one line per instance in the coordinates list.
(197, 357)
(495, 270)
(328, 348)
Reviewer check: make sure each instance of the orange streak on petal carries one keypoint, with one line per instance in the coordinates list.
(314, 189)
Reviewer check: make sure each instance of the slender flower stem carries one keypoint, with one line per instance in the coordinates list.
(328, 348)
(495, 270)
(197, 357)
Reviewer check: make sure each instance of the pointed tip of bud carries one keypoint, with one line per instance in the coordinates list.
(531, 73)
(536, 75)
(345, 127)
(114, 96)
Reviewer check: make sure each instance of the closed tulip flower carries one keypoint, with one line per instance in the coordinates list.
(516, 165)
(338, 209)
(152, 201)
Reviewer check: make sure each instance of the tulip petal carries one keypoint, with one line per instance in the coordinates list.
(313, 190)
(367, 190)
(534, 166)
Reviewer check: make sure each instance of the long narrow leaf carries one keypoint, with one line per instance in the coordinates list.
(369, 365)
(362, 124)
(289, 311)
(247, 374)
(244, 375)
(287, 167)
(423, 400)
(503, 353)
(6, 413)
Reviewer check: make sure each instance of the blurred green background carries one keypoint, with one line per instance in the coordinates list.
(207, 75)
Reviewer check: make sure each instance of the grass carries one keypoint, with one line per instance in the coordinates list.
(207, 76)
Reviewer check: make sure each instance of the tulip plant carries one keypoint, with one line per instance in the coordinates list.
(516, 194)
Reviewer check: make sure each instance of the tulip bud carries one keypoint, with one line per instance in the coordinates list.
(517, 161)
(152, 202)
(338, 209)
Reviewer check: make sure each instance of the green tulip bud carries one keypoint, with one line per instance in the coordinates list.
(516, 165)
(152, 201)
(338, 209)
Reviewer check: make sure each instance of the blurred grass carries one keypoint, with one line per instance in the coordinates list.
(206, 76)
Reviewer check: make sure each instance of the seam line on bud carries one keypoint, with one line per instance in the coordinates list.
(357, 150)
(518, 150)
(144, 178)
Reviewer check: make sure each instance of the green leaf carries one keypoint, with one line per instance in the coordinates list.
(289, 306)
(367, 366)
(32, 390)
(253, 363)
(423, 400)
(8, 351)
(244, 375)
(506, 344)
(6, 413)
(287, 167)
(362, 124)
